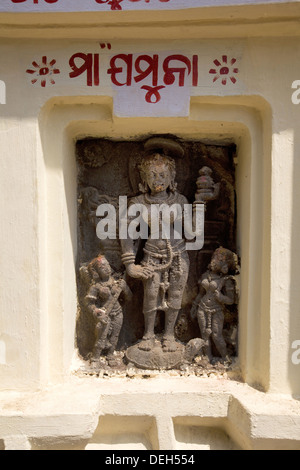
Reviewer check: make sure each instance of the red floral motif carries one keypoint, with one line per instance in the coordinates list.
(43, 72)
(224, 70)
(34, 1)
(114, 4)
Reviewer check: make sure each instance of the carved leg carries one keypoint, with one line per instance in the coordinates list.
(169, 343)
(148, 339)
(178, 280)
(217, 334)
(98, 348)
(205, 332)
(151, 289)
(115, 332)
(102, 329)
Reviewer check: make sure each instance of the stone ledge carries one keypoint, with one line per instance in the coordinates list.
(222, 21)
(150, 414)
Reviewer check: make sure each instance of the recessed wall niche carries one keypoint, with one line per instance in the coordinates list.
(185, 314)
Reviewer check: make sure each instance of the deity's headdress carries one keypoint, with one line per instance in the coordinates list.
(223, 254)
(159, 151)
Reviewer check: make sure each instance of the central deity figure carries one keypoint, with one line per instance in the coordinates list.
(165, 265)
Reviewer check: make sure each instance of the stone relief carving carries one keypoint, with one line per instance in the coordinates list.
(102, 301)
(166, 323)
(217, 288)
(207, 190)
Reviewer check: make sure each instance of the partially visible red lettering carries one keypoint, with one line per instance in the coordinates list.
(195, 70)
(152, 68)
(147, 1)
(90, 66)
(169, 77)
(115, 4)
(96, 70)
(34, 1)
(114, 70)
(152, 95)
(123, 69)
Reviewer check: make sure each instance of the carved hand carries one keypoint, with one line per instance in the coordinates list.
(218, 294)
(100, 315)
(139, 272)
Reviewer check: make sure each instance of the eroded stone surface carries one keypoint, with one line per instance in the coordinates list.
(156, 324)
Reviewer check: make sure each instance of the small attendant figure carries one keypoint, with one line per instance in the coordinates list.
(217, 288)
(102, 301)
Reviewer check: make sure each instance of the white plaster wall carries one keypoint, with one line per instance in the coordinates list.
(43, 405)
(38, 128)
(130, 5)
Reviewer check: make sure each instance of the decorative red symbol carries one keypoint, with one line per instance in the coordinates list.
(224, 70)
(114, 4)
(43, 72)
(103, 45)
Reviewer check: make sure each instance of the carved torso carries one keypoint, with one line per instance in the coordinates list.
(174, 200)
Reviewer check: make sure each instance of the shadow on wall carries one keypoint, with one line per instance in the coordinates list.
(202, 438)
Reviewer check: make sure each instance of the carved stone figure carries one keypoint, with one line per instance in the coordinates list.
(102, 301)
(154, 328)
(165, 266)
(217, 288)
(207, 190)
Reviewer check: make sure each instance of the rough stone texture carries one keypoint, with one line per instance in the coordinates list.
(142, 413)
(108, 169)
(38, 231)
